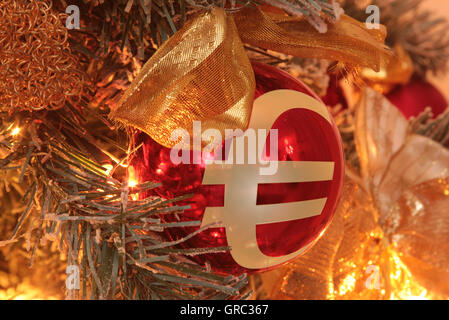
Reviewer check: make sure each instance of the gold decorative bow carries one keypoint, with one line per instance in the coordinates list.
(397, 71)
(390, 235)
(203, 73)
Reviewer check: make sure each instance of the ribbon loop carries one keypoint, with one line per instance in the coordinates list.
(202, 73)
(347, 40)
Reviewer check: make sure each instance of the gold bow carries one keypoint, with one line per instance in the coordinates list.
(397, 71)
(202, 73)
(389, 238)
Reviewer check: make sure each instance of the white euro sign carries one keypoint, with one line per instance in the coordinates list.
(240, 214)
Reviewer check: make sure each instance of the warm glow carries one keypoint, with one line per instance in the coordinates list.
(132, 182)
(15, 131)
(25, 292)
(402, 283)
(347, 285)
(108, 168)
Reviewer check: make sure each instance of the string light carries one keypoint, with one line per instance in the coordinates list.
(132, 182)
(108, 168)
(15, 131)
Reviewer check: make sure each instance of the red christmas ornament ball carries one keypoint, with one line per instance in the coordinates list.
(303, 135)
(412, 99)
(335, 94)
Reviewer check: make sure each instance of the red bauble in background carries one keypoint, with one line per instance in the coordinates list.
(303, 135)
(335, 94)
(411, 99)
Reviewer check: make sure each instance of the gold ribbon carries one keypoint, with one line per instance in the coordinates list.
(347, 41)
(397, 71)
(202, 73)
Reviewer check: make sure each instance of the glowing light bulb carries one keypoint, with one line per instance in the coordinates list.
(132, 182)
(15, 131)
(108, 168)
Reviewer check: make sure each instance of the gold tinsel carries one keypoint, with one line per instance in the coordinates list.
(37, 68)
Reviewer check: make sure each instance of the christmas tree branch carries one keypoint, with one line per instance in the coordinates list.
(422, 33)
(150, 22)
(107, 231)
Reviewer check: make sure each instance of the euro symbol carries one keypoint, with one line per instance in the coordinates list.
(240, 214)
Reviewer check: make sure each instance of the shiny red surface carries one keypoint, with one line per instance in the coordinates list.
(303, 136)
(412, 99)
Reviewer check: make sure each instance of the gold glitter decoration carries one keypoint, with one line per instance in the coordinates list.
(37, 68)
(332, 268)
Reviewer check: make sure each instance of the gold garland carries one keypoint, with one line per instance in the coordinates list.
(37, 68)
